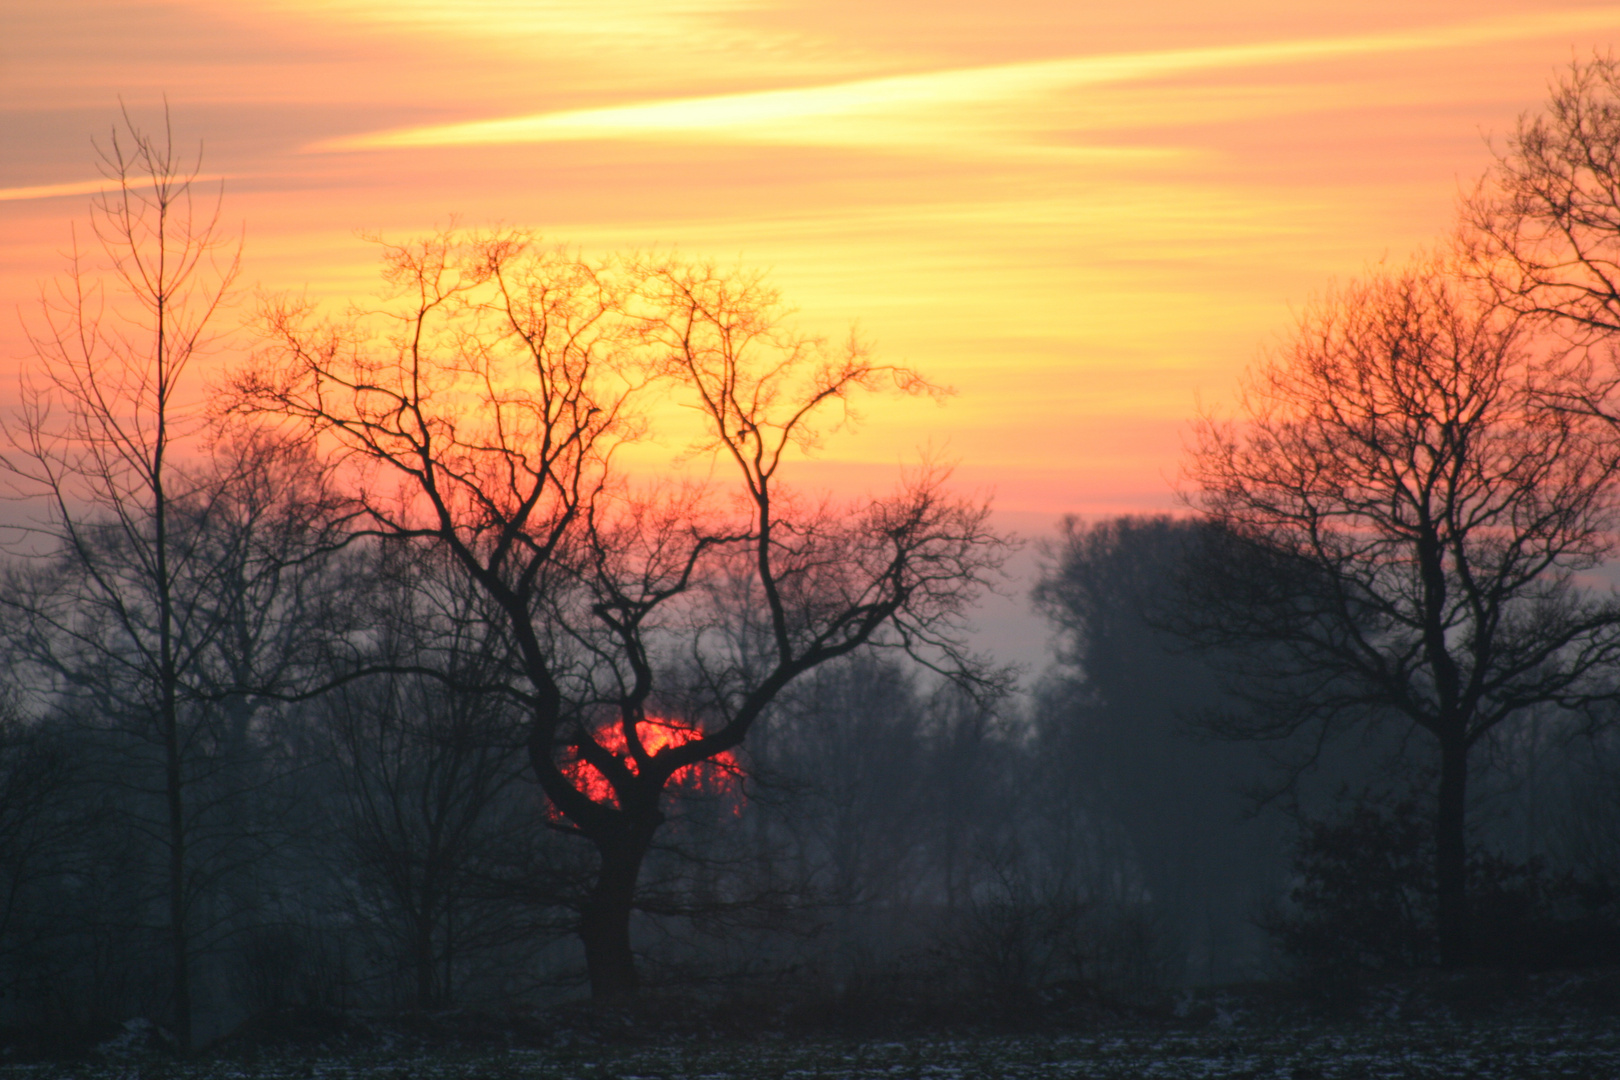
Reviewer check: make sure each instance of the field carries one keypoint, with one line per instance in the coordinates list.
(1479, 1051)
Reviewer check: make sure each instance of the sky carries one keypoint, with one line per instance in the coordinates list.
(1086, 218)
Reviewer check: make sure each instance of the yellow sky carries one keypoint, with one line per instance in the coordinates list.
(1084, 217)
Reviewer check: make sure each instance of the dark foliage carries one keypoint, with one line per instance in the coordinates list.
(1130, 767)
(1363, 902)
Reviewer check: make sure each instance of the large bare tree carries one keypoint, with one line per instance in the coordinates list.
(490, 406)
(1405, 514)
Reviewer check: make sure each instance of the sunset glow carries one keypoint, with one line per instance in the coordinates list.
(719, 777)
(1085, 219)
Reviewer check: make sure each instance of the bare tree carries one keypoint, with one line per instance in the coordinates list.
(427, 773)
(1405, 514)
(95, 441)
(1543, 225)
(647, 628)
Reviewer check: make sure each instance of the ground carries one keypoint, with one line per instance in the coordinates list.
(1477, 1050)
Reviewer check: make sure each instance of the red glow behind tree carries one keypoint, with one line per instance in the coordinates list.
(720, 776)
(487, 408)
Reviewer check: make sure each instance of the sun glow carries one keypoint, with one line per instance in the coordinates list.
(718, 777)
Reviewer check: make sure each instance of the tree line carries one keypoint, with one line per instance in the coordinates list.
(379, 676)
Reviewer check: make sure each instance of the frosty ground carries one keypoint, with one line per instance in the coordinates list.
(1586, 1048)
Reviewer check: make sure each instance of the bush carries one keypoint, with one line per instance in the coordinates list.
(1363, 902)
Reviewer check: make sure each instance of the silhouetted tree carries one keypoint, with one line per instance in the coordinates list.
(1543, 225)
(647, 628)
(1401, 518)
(40, 818)
(96, 439)
(166, 590)
(1120, 727)
(428, 775)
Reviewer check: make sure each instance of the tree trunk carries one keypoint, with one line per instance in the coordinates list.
(604, 924)
(1451, 856)
(179, 936)
(426, 963)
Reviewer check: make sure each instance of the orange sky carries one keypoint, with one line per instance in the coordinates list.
(1084, 216)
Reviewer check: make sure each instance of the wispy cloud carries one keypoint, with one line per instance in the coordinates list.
(941, 106)
(82, 187)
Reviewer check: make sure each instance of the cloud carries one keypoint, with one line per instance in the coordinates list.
(84, 187)
(936, 108)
